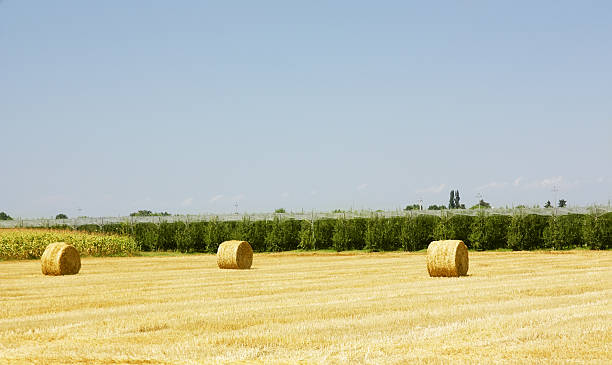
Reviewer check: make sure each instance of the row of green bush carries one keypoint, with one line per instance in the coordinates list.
(410, 233)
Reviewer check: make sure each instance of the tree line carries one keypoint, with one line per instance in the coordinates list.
(411, 232)
(454, 203)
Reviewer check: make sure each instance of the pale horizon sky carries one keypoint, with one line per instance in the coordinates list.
(192, 106)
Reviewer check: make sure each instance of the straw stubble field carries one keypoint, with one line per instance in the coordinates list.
(364, 308)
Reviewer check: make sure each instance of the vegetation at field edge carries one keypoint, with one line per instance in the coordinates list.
(411, 232)
(31, 243)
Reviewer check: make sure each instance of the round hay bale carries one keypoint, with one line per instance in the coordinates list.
(234, 255)
(447, 258)
(60, 258)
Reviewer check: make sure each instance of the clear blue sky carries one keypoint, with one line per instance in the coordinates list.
(190, 106)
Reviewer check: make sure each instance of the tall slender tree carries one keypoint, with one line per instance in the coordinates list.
(457, 205)
(451, 201)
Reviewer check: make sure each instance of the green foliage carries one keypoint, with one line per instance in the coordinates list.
(413, 207)
(342, 236)
(454, 227)
(416, 231)
(198, 232)
(553, 234)
(61, 216)
(307, 236)
(324, 231)
(233, 230)
(374, 235)
(148, 213)
(182, 238)
(442, 230)
(477, 231)
(240, 230)
(597, 231)
(357, 233)
(383, 234)
(564, 232)
(114, 228)
(117, 228)
(167, 236)
(526, 231)
(460, 227)
(243, 229)
(562, 203)
(481, 205)
(283, 235)
(454, 200)
(215, 234)
(571, 226)
(91, 228)
(489, 232)
(292, 231)
(141, 213)
(5, 217)
(436, 207)
(280, 210)
(497, 231)
(258, 231)
(318, 234)
(349, 234)
(146, 235)
(411, 232)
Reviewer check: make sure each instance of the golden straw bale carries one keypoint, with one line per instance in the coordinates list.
(60, 258)
(447, 258)
(234, 255)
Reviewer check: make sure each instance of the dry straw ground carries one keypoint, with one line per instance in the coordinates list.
(370, 308)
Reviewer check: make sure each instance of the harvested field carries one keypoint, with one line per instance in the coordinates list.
(520, 307)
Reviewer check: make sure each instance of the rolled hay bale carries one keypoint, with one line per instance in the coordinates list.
(234, 255)
(60, 258)
(447, 258)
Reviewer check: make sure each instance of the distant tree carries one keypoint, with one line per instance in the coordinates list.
(280, 210)
(436, 207)
(334, 211)
(457, 204)
(61, 216)
(142, 213)
(481, 204)
(5, 217)
(451, 200)
(148, 213)
(562, 203)
(413, 207)
(548, 205)
(484, 204)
